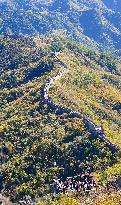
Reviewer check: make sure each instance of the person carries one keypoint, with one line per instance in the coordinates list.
(55, 186)
(60, 185)
(70, 185)
(77, 187)
(54, 164)
(64, 189)
(22, 202)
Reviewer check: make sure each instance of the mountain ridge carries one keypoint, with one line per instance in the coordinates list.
(78, 18)
(34, 137)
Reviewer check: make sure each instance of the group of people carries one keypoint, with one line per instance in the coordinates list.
(74, 184)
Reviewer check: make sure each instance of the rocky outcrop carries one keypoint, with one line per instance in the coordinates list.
(5, 200)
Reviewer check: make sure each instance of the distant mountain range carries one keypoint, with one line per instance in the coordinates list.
(92, 22)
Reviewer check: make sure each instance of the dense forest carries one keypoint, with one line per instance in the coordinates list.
(36, 144)
(96, 23)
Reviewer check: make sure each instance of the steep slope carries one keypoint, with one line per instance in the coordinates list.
(89, 92)
(95, 23)
(33, 137)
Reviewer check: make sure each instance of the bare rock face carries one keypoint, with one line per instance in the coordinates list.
(4, 200)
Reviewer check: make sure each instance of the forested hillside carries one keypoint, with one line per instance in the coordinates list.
(36, 143)
(96, 23)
